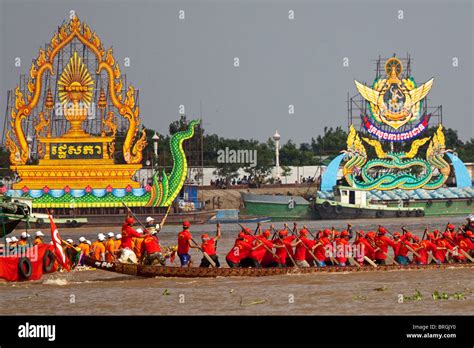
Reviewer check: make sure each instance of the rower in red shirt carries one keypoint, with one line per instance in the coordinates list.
(151, 249)
(364, 248)
(402, 250)
(421, 250)
(382, 242)
(301, 249)
(465, 242)
(445, 246)
(283, 245)
(259, 250)
(370, 241)
(184, 244)
(208, 246)
(239, 252)
(429, 246)
(343, 248)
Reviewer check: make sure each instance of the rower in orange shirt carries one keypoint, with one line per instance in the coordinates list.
(118, 242)
(110, 248)
(85, 250)
(38, 238)
(137, 244)
(98, 248)
(23, 239)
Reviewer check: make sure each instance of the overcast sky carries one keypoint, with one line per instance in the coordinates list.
(282, 62)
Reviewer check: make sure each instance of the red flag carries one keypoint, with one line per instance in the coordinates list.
(58, 249)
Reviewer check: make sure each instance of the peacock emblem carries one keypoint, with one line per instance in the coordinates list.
(394, 101)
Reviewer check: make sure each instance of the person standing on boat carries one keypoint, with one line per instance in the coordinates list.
(151, 226)
(184, 244)
(469, 226)
(209, 247)
(128, 233)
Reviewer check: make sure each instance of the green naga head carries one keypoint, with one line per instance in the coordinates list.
(164, 192)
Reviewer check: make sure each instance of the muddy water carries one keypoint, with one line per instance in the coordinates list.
(100, 292)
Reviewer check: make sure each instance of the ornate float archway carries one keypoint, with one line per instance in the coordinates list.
(64, 129)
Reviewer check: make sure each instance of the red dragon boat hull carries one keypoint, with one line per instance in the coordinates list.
(198, 272)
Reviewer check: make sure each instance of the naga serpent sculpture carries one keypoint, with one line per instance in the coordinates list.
(357, 168)
(163, 193)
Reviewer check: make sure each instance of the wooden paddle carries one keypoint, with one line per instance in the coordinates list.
(162, 223)
(376, 247)
(332, 258)
(306, 247)
(408, 247)
(289, 254)
(366, 258)
(134, 216)
(206, 255)
(260, 243)
(460, 249)
(424, 233)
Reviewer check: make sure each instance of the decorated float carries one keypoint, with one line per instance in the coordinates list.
(391, 166)
(75, 135)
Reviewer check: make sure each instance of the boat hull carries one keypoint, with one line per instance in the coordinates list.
(198, 272)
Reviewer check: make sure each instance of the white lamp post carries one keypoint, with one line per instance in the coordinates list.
(155, 139)
(276, 138)
(29, 141)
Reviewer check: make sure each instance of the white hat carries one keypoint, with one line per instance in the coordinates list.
(139, 230)
(471, 217)
(88, 242)
(8, 240)
(23, 235)
(14, 239)
(101, 238)
(39, 234)
(118, 236)
(82, 239)
(100, 235)
(28, 235)
(70, 241)
(110, 234)
(149, 219)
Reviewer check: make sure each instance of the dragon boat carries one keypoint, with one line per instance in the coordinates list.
(199, 272)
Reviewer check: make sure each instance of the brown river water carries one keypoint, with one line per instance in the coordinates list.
(96, 292)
